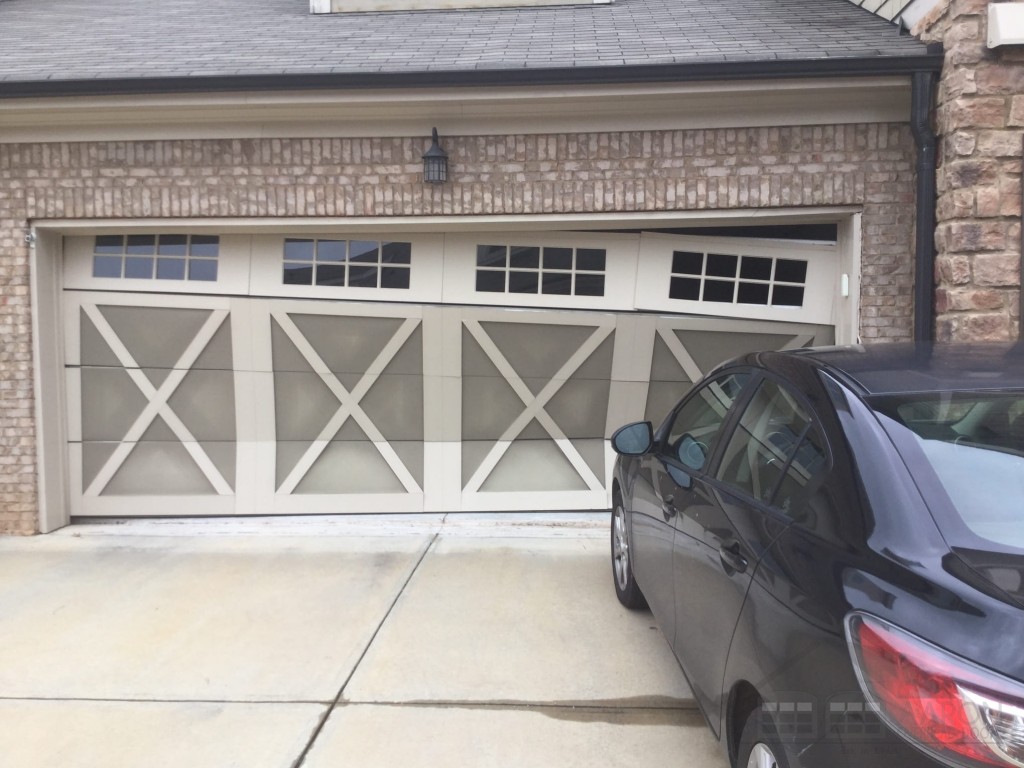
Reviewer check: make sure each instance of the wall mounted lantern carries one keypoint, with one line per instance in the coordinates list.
(435, 163)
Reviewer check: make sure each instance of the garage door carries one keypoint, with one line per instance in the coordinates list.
(296, 375)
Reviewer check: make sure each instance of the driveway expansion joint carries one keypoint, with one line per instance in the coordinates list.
(339, 698)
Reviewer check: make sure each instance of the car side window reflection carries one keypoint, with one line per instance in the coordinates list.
(776, 454)
(695, 426)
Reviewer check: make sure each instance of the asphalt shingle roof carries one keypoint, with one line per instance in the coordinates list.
(109, 40)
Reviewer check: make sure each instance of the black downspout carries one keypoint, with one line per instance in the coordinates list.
(924, 256)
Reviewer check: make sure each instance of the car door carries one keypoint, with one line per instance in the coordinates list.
(728, 521)
(683, 445)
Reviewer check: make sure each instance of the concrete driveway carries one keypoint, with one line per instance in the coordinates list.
(482, 641)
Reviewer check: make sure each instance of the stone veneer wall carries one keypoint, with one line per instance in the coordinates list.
(980, 123)
(865, 165)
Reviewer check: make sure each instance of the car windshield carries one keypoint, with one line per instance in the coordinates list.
(975, 444)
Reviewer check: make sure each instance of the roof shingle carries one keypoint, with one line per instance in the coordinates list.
(76, 40)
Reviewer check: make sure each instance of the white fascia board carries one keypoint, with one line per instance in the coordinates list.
(1005, 24)
(458, 112)
(463, 223)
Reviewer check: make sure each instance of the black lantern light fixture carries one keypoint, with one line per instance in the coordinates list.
(435, 163)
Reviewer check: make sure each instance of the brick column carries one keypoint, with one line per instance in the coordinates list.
(980, 122)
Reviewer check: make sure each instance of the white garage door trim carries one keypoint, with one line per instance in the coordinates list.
(252, 265)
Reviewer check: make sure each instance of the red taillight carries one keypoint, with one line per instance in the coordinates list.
(951, 708)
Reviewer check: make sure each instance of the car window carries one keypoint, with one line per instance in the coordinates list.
(974, 443)
(776, 454)
(695, 426)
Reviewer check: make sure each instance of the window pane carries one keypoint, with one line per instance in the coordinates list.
(394, 277)
(362, 277)
(141, 244)
(491, 256)
(589, 285)
(298, 274)
(752, 293)
(330, 274)
(202, 269)
(722, 265)
(686, 288)
(719, 290)
(557, 258)
(170, 269)
(138, 268)
(364, 251)
(590, 260)
(687, 263)
(524, 257)
(768, 435)
(298, 250)
(172, 245)
(523, 282)
(557, 283)
(790, 271)
(106, 266)
(695, 427)
(756, 268)
(490, 281)
(109, 244)
(804, 473)
(330, 250)
(204, 245)
(397, 253)
(787, 296)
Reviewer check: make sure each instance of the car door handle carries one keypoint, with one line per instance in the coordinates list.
(667, 509)
(729, 554)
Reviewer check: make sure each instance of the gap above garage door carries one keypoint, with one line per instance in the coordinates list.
(298, 375)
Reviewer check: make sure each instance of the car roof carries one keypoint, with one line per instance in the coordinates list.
(921, 367)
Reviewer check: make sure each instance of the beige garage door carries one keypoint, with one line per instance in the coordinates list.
(192, 393)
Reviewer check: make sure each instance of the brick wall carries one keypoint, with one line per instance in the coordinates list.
(864, 165)
(980, 122)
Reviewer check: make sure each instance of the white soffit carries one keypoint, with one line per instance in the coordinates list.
(455, 112)
(1005, 24)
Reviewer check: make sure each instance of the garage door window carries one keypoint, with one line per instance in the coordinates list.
(556, 271)
(352, 263)
(156, 257)
(727, 278)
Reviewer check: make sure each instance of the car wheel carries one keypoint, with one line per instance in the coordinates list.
(626, 588)
(759, 745)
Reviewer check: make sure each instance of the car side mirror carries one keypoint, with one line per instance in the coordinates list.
(633, 439)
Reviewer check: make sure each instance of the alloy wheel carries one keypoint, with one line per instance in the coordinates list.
(620, 549)
(761, 756)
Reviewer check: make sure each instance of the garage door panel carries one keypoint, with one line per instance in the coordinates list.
(159, 468)
(533, 465)
(580, 406)
(489, 406)
(205, 403)
(709, 348)
(349, 466)
(303, 405)
(111, 403)
(155, 337)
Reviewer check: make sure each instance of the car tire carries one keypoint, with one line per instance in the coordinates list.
(760, 746)
(626, 588)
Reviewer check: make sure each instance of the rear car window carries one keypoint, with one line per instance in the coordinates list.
(974, 442)
(776, 453)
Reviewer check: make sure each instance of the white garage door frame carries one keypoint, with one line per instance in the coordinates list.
(55, 473)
